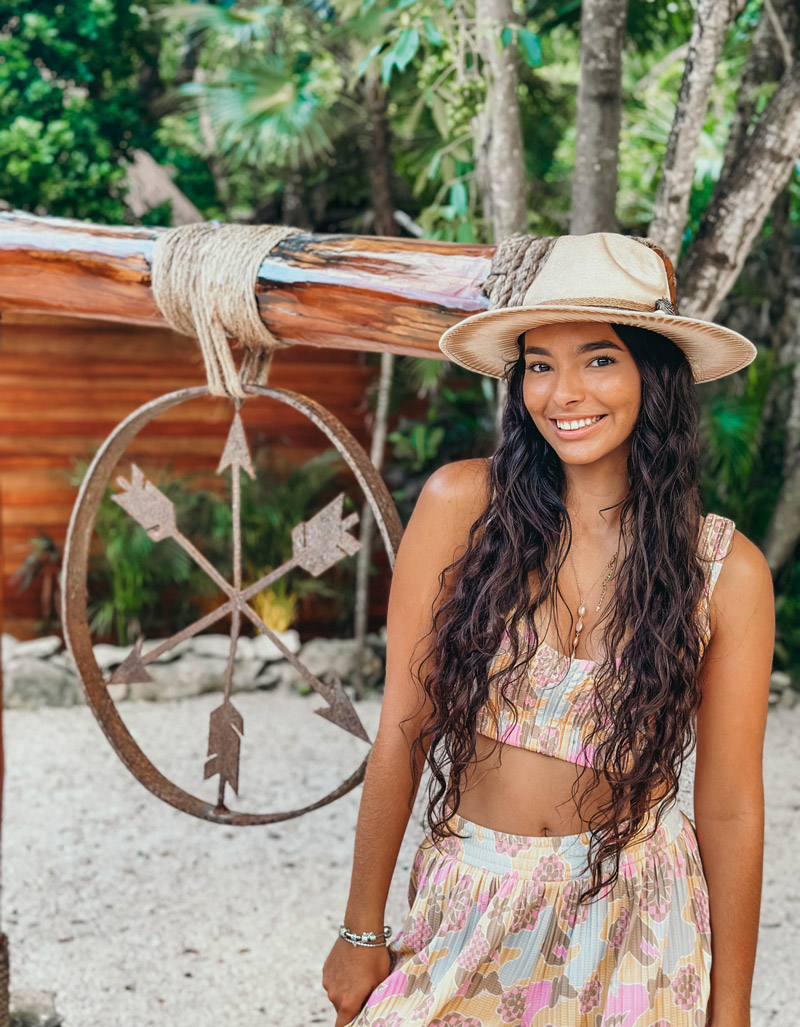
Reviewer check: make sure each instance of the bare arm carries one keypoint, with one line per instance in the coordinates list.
(729, 791)
(436, 535)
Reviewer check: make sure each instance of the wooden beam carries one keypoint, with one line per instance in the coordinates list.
(347, 291)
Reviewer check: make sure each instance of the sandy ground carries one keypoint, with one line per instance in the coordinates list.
(136, 915)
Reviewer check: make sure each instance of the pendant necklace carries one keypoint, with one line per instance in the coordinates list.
(612, 563)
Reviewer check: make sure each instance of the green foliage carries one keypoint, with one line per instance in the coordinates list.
(270, 85)
(459, 422)
(69, 107)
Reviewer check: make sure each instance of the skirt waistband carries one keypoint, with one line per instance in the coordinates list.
(557, 857)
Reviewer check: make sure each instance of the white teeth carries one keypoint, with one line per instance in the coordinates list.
(571, 425)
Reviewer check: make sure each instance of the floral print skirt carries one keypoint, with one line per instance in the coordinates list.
(494, 935)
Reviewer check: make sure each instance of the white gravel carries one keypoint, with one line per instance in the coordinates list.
(136, 915)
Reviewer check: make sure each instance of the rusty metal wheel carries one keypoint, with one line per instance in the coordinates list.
(318, 544)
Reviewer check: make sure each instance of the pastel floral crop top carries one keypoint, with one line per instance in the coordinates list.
(553, 700)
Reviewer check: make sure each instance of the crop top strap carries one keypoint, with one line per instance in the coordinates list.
(715, 543)
(717, 539)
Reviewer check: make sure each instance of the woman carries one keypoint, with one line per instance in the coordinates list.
(559, 883)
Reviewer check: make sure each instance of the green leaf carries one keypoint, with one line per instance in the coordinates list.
(458, 197)
(431, 32)
(465, 232)
(529, 46)
(375, 50)
(439, 112)
(506, 35)
(406, 47)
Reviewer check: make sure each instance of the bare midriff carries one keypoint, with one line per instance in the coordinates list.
(524, 792)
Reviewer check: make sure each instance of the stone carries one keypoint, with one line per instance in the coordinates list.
(39, 648)
(109, 657)
(278, 674)
(263, 648)
(212, 645)
(31, 683)
(8, 646)
(169, 655)
(326, 657)
(34, 1009)
(244, 648)
(245, 675)
(377, 642)
(64, 661)
(182, 679)
(779, 680)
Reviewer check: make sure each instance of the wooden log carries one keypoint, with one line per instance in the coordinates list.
(352, 292)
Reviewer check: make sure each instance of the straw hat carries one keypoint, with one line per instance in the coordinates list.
(601, 277)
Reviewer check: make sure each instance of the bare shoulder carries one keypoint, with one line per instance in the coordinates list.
(462, 483)
(451, 500)
(744, 593)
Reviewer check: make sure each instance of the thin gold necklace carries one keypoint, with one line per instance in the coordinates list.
(612, 563)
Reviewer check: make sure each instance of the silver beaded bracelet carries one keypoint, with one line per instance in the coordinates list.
(368, 939)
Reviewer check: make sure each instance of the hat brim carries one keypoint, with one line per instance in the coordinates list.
(485, 342)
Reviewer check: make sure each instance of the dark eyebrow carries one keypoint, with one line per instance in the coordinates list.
(587, 347)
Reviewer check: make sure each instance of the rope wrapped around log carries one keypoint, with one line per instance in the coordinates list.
(515, 263)
(204, 280)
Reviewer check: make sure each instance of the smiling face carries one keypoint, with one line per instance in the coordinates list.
(579, 372)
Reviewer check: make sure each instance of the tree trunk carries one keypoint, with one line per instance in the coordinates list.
(765, 63)
(500, 149)
(149, 185)
(595, 179)
(379, 162)
(293, 207)
(741, 202)
(784, 528)
(506, 201)
(671, 209)
(380, 169)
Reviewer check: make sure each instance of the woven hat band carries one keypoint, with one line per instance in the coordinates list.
(604, 268)
(600, 301)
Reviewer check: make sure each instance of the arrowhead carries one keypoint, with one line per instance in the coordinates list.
(236, 453)
(132, 668)
(340, 711)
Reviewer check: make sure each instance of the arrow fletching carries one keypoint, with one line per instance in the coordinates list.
(225, 732)
(319, 543)
(147, 505)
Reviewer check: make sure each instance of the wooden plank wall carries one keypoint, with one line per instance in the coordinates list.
(65, 384)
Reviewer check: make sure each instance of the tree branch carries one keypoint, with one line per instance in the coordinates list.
(741, 201)
(595, 177)
(671, 207)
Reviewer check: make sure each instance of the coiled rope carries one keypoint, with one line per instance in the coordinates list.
(204, 279)
(515, 263)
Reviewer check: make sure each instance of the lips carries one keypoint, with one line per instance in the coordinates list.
(576, 433)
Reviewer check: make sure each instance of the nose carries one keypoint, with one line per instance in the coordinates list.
(568, 386)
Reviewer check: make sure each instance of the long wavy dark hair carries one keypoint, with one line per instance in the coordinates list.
(651, 698)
